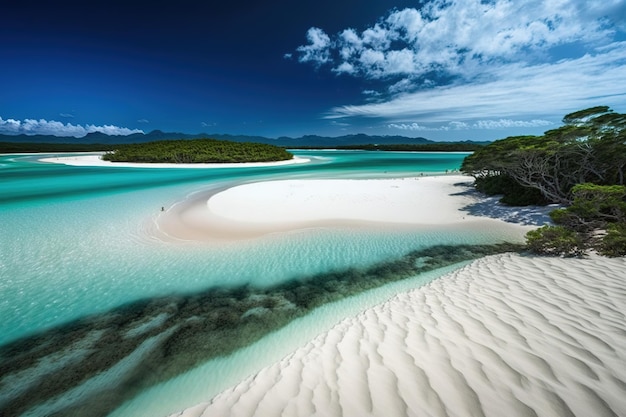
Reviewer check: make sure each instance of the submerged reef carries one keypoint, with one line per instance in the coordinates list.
(92, 365)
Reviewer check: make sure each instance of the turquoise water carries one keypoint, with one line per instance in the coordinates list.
(75, 241)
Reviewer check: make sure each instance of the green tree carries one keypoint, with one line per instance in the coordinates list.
(589, 147)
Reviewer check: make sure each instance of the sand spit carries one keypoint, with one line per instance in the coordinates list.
(269, 207)
(506, 335)
(96, 160)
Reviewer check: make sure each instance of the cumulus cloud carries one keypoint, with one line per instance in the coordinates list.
(460, 37)
(501, 62)
(318, 49)
(410, 126)
(55, 128)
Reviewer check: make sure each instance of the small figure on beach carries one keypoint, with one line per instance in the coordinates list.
(162, 208)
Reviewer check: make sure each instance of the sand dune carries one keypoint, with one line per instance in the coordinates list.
(504, 336)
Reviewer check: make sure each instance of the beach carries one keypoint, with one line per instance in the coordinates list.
(94, 159)
(505, 335)
(272, 207)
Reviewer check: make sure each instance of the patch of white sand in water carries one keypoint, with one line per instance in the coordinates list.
(504, 336)
(262, 208)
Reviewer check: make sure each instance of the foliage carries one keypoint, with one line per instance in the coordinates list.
(589, 148)
(595, 220)
(197, 151)
(554, 240)
(614, 242)
(514, 194)
(580, 165)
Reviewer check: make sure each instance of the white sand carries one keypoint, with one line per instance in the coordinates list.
(258, 209)
(504, 336)
(95, 160)
(422, 200)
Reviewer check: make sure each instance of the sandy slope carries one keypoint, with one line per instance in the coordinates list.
(504, 336)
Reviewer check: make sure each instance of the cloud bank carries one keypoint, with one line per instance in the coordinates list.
(473, 60)
(55, 128)
(480, 124)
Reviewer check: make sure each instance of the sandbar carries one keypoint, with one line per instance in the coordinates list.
(269, 207)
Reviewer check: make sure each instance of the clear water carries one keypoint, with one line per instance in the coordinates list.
(74, 242)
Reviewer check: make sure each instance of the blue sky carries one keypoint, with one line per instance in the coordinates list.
(445, 70)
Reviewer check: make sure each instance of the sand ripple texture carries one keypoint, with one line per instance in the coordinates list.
(506, 335)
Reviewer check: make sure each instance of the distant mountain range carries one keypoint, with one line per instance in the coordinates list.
(303, 141)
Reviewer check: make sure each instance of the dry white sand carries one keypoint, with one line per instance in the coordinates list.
(421, 200)
(257, 209)
(504, 336)
(96, 160)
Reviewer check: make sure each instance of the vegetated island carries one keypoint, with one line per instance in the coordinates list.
(197, 151)
(581, 166)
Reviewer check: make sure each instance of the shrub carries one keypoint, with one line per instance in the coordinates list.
(614, 242)
(555, 240)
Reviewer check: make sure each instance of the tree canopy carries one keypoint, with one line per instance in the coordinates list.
(589, 148)
(193, 151)
(579, 165)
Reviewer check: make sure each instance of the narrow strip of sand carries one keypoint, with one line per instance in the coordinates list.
(96, 160)
(504, 336)
(262, 208)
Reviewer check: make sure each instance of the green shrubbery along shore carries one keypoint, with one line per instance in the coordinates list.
(580, 165)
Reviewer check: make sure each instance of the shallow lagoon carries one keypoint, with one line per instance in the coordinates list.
(76, 241)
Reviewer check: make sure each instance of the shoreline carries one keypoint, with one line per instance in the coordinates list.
(512, 334)
(258, 209)
(504, 335)
(95, 160)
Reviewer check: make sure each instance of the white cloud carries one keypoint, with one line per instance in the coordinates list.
(512, 91)
(480, 125)
(52, 127)
(317, 51)
(481, 65)
(143, 121)
(508, 123)
(461, 37)
(410, 126)
(345, 68)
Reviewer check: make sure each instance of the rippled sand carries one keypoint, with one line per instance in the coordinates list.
(504, 336)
